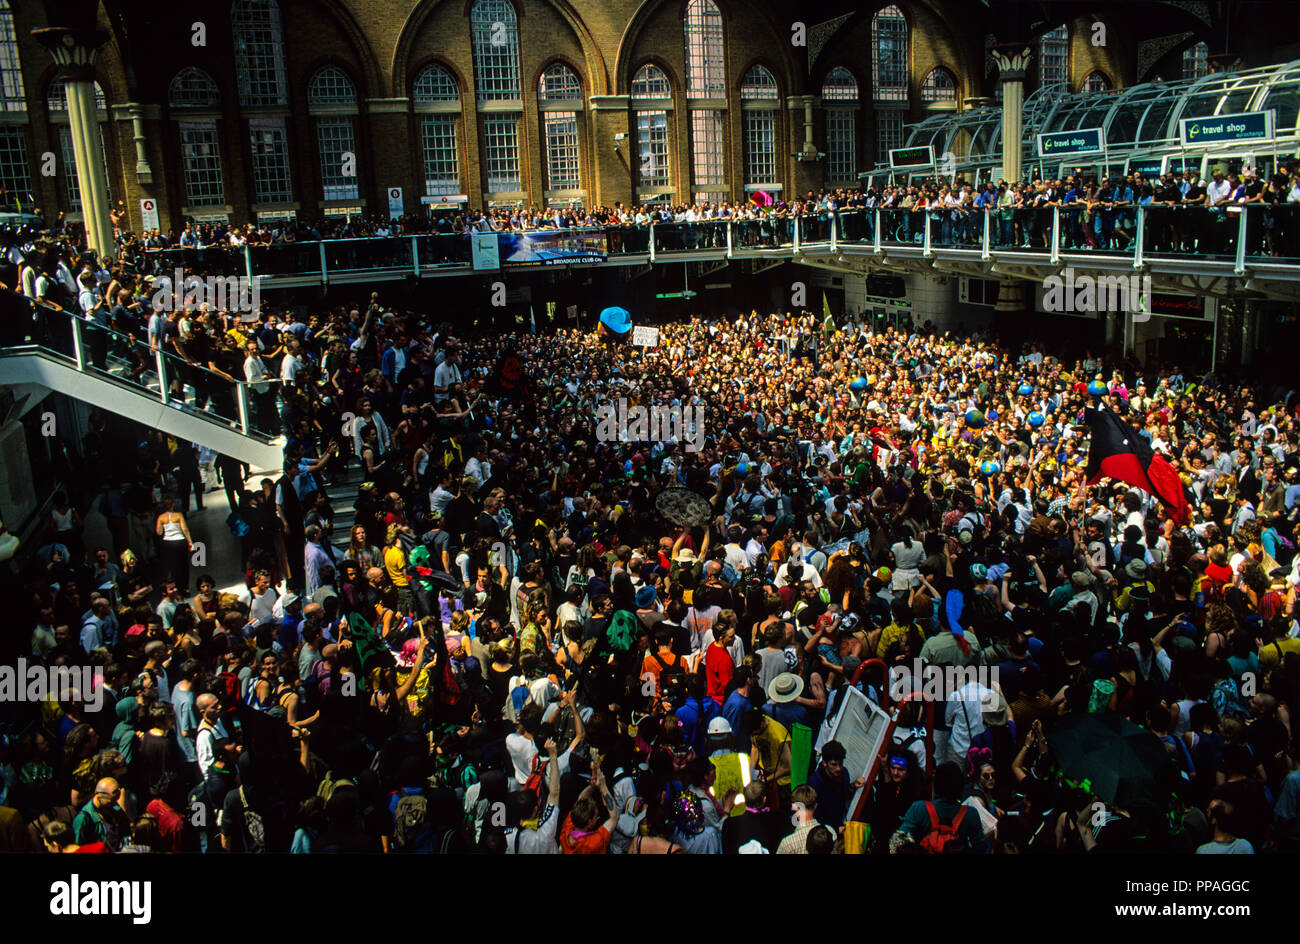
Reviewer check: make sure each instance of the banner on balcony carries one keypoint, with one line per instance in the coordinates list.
(485, 252)
(559, 247)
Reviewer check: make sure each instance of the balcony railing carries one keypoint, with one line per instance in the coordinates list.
(1240, 234)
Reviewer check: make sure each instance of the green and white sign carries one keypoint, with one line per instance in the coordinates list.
(1059, 143)
(1213, 129)
(911, 156)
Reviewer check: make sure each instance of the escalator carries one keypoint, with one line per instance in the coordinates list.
(53, 350)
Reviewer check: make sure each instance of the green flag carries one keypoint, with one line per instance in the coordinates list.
(800, 754)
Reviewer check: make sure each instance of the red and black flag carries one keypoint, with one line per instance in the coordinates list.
(1116, 450)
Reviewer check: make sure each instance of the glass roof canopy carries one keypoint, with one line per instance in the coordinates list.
(1139, 121)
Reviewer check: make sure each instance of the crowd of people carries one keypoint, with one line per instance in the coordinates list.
(512, 649)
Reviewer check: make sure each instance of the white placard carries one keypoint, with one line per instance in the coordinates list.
(149, 214)
(485, 251)
(861, 726)
(645, 337)
(395, 204)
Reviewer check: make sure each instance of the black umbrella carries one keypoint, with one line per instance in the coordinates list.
(1125, 765)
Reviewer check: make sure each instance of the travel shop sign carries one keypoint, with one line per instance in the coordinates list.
(1213, 129)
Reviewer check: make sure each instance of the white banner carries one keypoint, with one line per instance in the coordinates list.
(645, 337)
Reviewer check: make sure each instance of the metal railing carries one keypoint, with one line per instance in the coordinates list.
(1240, 233)
(90, 347)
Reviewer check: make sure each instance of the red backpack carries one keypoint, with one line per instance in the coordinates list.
(943, 837)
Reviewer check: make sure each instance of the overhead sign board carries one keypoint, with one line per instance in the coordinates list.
(1079, 141)
(1215, 129)
(911, 156)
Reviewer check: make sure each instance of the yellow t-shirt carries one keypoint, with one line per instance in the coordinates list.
(395, 563)
(768, 740)
(1272, 653)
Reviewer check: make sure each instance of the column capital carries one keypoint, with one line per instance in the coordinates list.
(1012, 61)
(73, 50)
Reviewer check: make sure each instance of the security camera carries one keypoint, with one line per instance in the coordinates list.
(621, 136)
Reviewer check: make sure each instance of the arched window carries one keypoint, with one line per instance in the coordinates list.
(939, 85)
(495, 34)
(651, 81)
(1196, 61)
(331, 86)
(840, 96)
(436, 96)
(193, 88)
(559, 83)
(435, 84)
(259, 53)
(705, 62)
(758, 84)
(332, 101)
(1054, 56)
(759, 94)
(706, 78)
(15, 172)
(889, 55)
(840, 86)
(1096, 81)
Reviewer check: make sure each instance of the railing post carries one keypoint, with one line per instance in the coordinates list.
(796, 233)
(1056, 235)
(729, 239)
(1240, 267)
(248, 262)
(324, 270)
(875, 241)
(1139, 243)
(241, 395)
(78, 351)
(415, 256)
(834, 221)
(652, 242)
(988, 228)
(925, 248)
(160, 364)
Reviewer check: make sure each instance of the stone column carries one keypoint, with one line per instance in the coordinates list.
(1011, 63)
(73, 51)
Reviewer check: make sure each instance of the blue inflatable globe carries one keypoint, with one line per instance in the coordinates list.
(858, 385)
(1097, 388)
(990, 466)
(1025, 389)
(974, 419)
(1036, 419)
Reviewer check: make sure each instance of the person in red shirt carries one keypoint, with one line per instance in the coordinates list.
(718, 664)
(583, 833)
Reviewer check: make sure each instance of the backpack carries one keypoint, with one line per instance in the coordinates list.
(410, 822)
(253, 826)
(238, 526)
(690, 813)
(672, 679)
(325, 789)
(943, 837)
(622, 631)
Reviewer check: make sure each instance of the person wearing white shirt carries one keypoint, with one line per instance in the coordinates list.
(291, 364)
(964, 715)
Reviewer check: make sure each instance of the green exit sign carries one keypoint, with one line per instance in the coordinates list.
(685, 294)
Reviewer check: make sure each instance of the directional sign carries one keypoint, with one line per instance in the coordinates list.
(1212, 129)
(149, 213)
(1081, 141)
(395, 203)
(911, 156)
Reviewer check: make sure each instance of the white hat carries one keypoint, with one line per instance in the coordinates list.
(719, 726)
